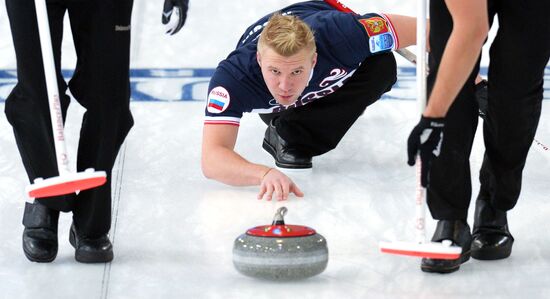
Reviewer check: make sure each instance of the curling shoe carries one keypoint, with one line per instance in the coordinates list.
(40, 233)
(285, 157)
(458, 232)
(91, 250)
(491, 238)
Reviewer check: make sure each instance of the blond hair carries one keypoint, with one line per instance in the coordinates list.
(286, 35)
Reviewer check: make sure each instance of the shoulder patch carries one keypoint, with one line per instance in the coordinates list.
(382, 42)
(218, 100)
(380, 33)
(374, 25)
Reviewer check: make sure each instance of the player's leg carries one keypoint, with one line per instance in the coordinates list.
(101, 31)
(519, 55)
(27, 111)
(449, 191)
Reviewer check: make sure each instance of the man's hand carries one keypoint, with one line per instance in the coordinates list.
(276, 183)
(425, 138)
(174, 15)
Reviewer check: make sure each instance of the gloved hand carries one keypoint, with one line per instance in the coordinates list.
(174, 15)
(425, 138)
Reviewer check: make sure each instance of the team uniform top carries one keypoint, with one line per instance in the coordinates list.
(343, 42)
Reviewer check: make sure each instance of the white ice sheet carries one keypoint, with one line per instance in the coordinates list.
(173, 229)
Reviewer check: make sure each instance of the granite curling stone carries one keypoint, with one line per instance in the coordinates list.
(280, 251)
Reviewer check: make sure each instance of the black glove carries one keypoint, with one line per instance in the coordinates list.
(425, 138)
(481, 97)
(174, 15)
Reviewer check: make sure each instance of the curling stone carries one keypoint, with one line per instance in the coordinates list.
(280, 251)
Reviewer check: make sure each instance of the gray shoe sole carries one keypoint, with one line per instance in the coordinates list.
(445, 270)
(32, 258)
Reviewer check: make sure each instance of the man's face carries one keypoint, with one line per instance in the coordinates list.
(286, 77)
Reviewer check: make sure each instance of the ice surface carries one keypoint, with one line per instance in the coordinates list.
(173, 230)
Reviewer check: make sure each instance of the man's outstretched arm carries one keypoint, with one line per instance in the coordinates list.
(220, 162)
(405, 28)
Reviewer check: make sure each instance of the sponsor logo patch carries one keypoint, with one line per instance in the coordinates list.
(218, 100)
(123, 28)
(374, 25)
(381, 42)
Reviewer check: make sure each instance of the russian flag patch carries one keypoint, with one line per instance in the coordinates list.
(218, 100)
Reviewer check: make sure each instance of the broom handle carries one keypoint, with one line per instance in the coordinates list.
(421, 70)
(56, 115)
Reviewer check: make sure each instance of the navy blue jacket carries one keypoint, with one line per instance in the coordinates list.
(343, 42)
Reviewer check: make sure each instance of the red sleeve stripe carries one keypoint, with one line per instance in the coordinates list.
(221, 122)
(392, 30)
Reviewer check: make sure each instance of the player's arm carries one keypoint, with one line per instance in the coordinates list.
(470, 28)
(406, 29)
(220, 162)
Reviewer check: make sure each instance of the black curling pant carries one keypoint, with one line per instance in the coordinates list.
(101, 33)
(318, 127)
(518, 56)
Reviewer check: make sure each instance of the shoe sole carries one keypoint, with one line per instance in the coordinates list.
(464, 258)
(491, 254)
(89, 258)
(268, 148)
(294, 171)
(39, 260)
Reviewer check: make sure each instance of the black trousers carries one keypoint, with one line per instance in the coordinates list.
(101, 32)
(518, 57)
(318, 127)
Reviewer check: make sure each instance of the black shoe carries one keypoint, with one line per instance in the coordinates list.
(284, 156)
(91, 250)
(40, 233)
(458, 232)
(491, 238)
